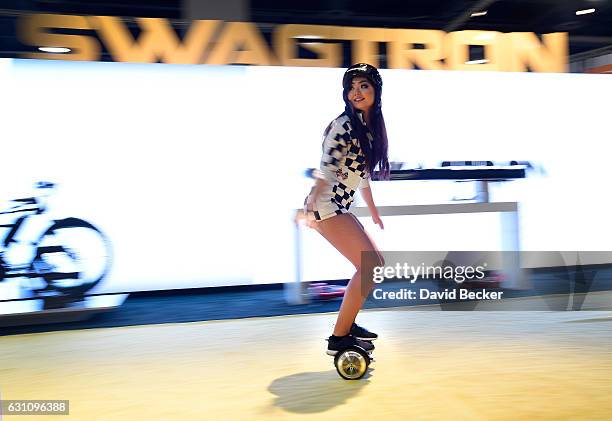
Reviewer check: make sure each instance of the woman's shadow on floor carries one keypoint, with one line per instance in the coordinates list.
(320, 391)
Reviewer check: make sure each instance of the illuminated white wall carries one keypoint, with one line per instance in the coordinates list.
(193, 171)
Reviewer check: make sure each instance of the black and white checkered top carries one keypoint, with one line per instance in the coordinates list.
(344, 166)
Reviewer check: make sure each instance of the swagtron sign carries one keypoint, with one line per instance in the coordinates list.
(218, 42)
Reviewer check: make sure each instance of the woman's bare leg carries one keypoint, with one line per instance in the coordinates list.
(347, 235)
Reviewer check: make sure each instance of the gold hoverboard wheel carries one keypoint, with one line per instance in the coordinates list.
(352, 363)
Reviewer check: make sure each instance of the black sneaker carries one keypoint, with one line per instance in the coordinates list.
(363, 334)
(337, 344)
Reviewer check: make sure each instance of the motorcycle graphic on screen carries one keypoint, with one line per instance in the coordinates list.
(65, 257)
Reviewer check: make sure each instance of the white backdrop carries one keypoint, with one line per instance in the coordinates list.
(193, 171)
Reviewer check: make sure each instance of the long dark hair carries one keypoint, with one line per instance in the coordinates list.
(376, 152)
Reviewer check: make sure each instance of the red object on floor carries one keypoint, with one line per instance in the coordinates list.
(324, 291)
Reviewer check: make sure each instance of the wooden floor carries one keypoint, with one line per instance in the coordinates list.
(430, 366)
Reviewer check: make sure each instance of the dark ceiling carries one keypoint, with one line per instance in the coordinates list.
(587, 32)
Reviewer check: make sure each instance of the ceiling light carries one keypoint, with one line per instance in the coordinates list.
(59, 50)
(475, 14)
(584, 12)
(485, 36)
(483, 61)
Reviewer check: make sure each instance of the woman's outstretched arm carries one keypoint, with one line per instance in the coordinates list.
(366, 193)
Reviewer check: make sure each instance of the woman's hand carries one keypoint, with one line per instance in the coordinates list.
(376, 219)
(309, 211)
(306, 214)
(300, 216)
